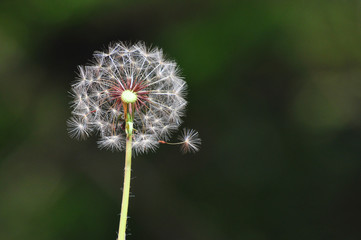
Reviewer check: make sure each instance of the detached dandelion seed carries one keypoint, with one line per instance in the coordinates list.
(190, 141)
(133, 98)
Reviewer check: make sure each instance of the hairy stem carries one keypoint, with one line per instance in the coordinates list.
(126, 186)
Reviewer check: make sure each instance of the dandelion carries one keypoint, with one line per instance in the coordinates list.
(133, 98)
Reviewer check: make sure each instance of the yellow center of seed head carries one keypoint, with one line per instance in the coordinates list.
(129, 96)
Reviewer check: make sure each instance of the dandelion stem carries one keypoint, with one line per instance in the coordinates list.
(126, 186)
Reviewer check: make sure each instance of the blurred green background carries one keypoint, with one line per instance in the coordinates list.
(274, 90)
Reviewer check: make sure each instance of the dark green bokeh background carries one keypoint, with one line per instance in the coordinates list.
(274, 90)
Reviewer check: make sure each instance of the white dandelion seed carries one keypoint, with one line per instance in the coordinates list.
(111, 143)
(190, 141)
(78, 128)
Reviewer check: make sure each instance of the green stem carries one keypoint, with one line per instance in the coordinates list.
(125, 200)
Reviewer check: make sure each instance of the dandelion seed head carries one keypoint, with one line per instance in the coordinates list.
(128, 79)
